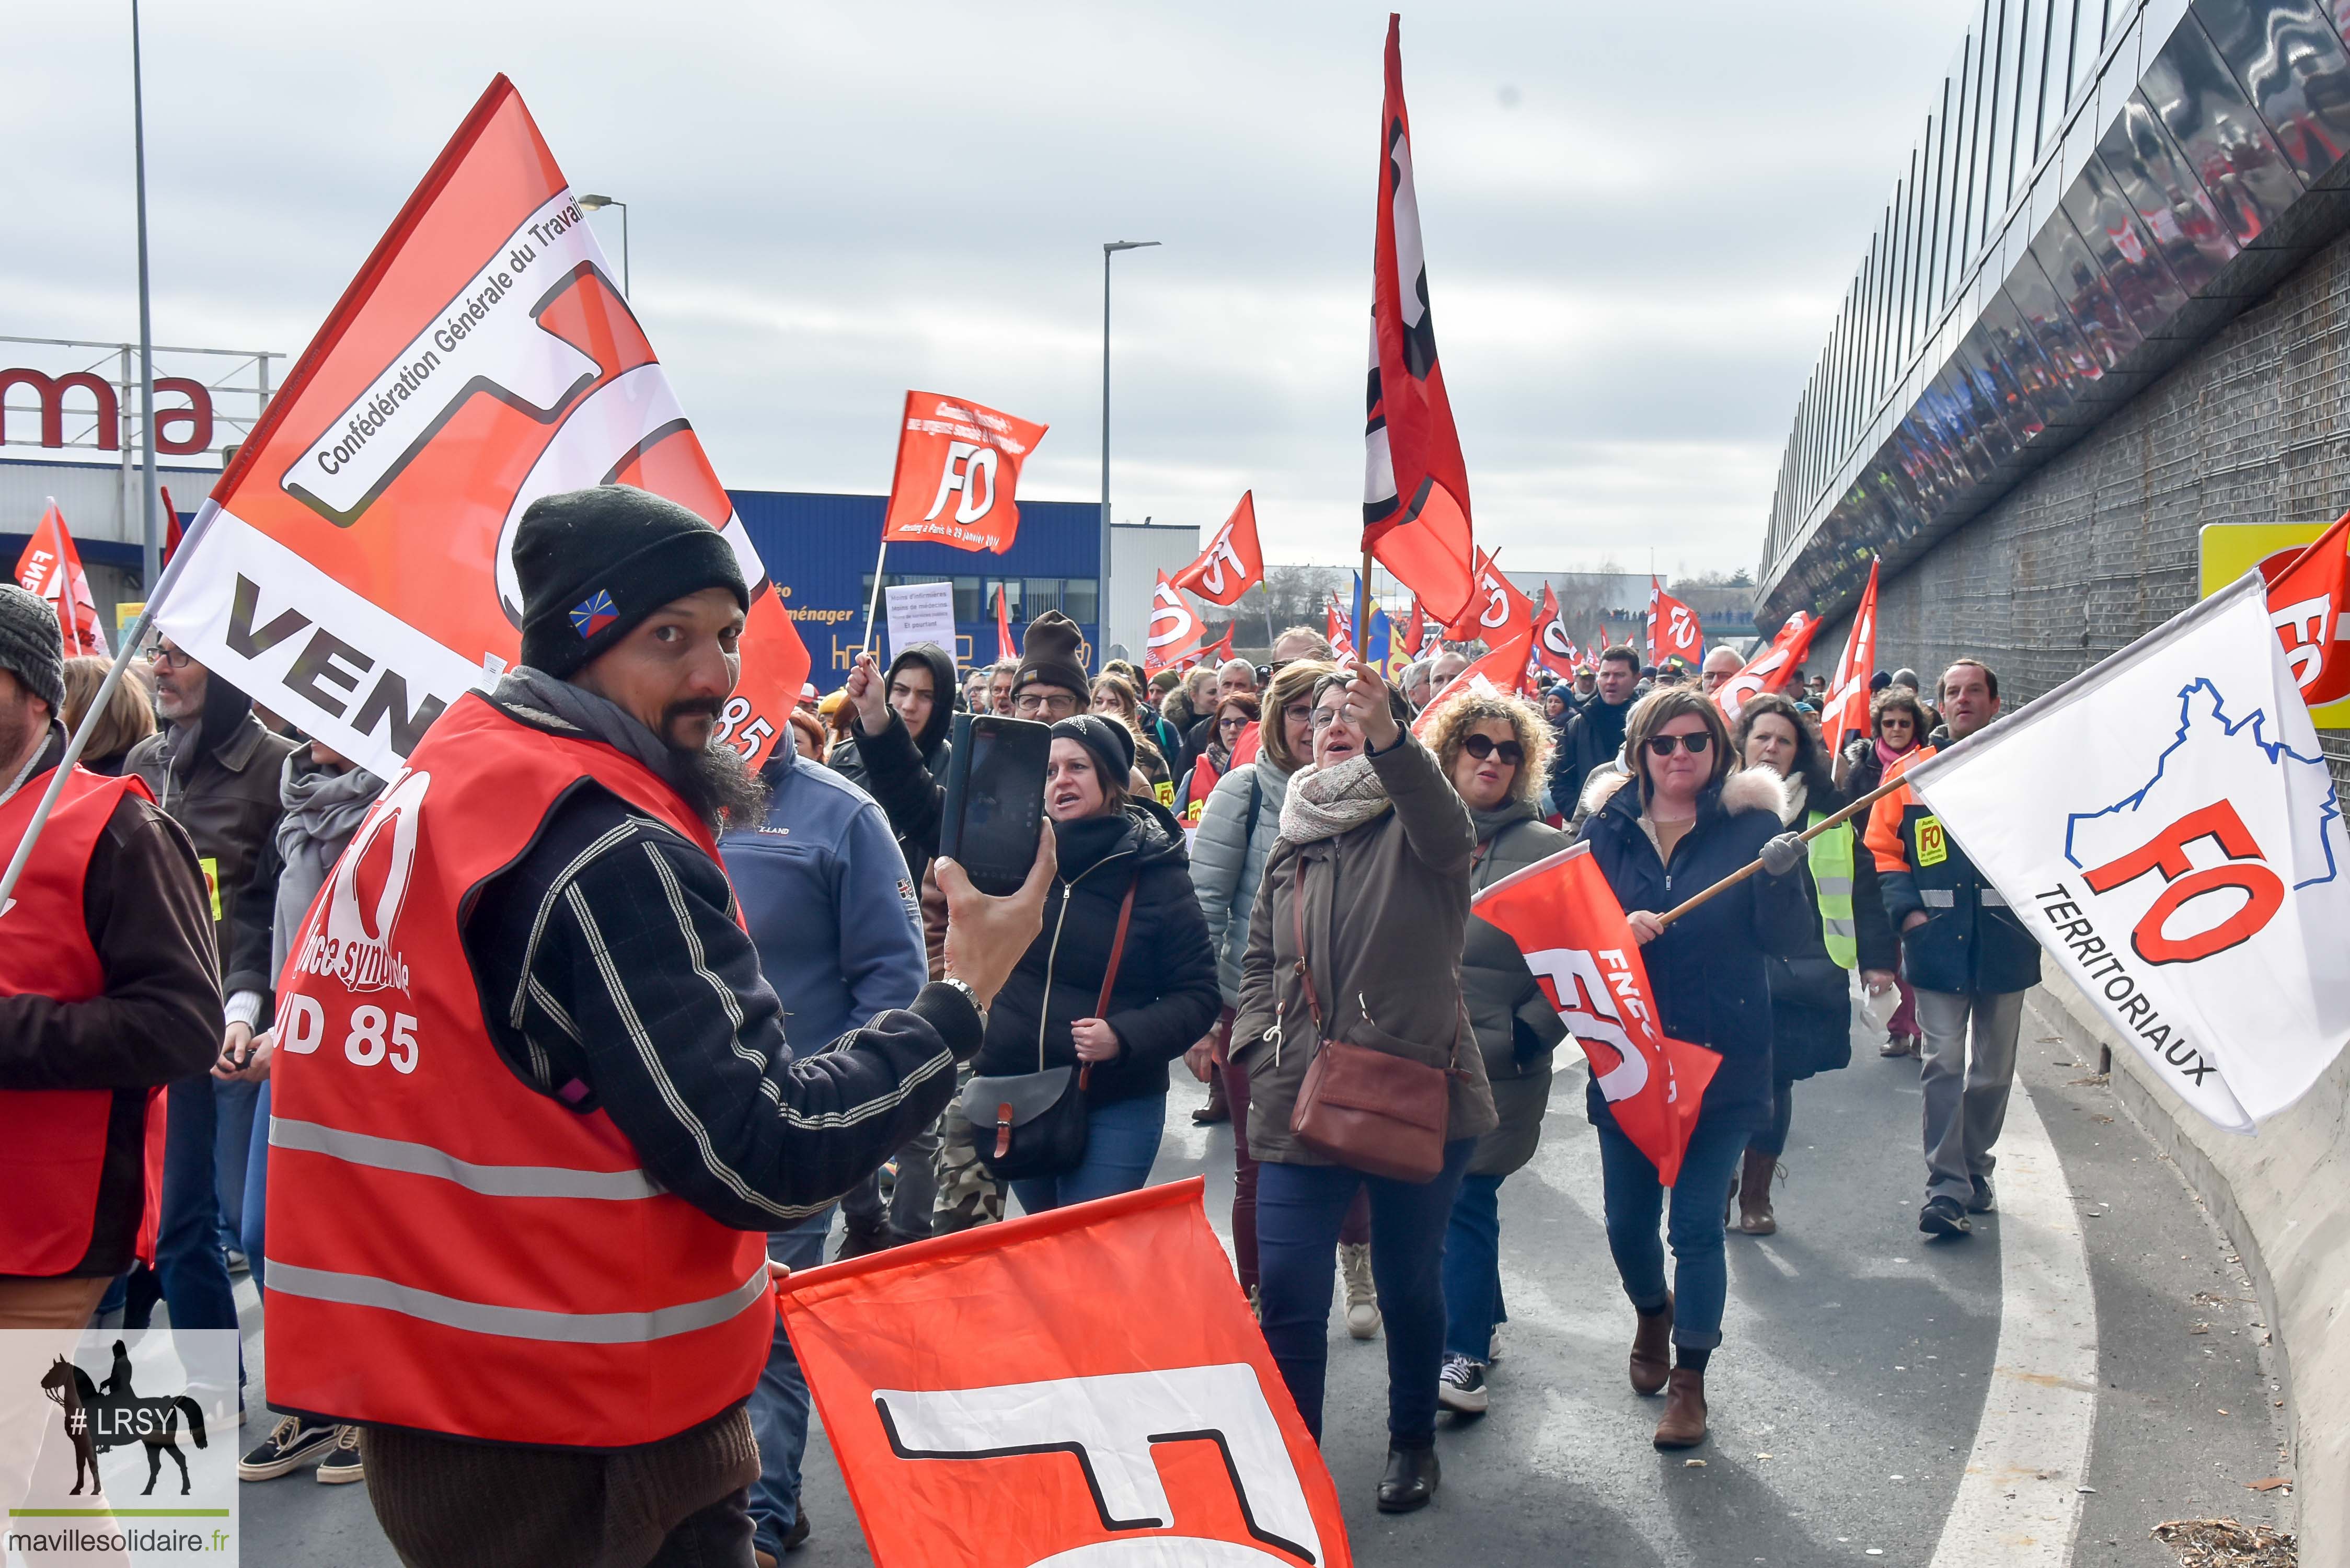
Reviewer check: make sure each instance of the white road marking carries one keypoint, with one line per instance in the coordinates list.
(2017, 1505)
(1770, 1255)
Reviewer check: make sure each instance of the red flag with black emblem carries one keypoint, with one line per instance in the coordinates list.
(1137, 1418)
(1232, 563)
(1416, 483)
(354, 567)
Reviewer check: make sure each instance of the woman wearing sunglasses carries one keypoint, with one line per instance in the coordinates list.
(1683, 820)
(1496, 750)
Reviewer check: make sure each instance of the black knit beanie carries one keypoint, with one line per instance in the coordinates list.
(594, 563)
(1049, 656)
(1110, 742)
(32, 649)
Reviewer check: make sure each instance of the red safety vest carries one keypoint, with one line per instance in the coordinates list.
(1196, 792)
(53, 1141)
(450, 1251)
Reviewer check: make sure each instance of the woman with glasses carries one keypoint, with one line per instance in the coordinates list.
(1234, 714)
(1357, 936)
(1496, 750)
(1683, 820)
(1116, 698)
(1811, 989)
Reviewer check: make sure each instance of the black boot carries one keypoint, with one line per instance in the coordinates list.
(1410, 1481)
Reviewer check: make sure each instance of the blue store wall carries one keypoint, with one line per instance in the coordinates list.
(819, 549)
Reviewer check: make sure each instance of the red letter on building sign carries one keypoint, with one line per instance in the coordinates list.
(197, 417)
(2165, 851)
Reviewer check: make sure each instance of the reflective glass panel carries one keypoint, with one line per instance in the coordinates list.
(2224, 144)
(2291, 62)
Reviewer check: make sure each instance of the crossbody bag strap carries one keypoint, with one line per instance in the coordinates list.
(1305, 976)
(1110, 975)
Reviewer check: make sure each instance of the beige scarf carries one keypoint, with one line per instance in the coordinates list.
(1325, 802)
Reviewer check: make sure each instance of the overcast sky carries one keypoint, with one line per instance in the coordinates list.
(1639, 222)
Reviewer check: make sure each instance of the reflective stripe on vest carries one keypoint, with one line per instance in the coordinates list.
(53, 1141)
(455, 1248)
(1832, 870)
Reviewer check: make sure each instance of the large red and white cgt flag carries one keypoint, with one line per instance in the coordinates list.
(1126, 1409)
(1173, 638)
(1769, 670)
(958, 473)
(1500, 612)
(1232, 563)
(2165, 826)
(50, 568)
(1848, 694)
(1553, 647)
(1415, 480)
(1674, 631)
(1565, 920)
(354, 567)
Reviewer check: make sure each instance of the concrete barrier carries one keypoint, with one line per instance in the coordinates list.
(2284, 1198)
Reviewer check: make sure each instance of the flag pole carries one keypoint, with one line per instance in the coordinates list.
(1751, 866)
(1363, 610)
(131, 639)
(873, 605)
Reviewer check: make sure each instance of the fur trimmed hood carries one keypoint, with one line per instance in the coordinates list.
(1749, 789)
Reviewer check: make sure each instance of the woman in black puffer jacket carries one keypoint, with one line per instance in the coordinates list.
(1048, 1013)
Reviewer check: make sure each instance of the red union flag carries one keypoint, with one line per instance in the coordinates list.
(1553, 647)
(1769, 671)
(1215, 653)
(958, 473)
(50, 568)
(1673, 629)
(1413, 634)
(1004, 649)
(1503, 669)
(1175, 631)
(1138, 1420)
(1565, 920)
(1847, 703)
(354, 569)
(1339, 628)
(1233, 562)
(2308, 594)
(1498, 613)
(1415, 480)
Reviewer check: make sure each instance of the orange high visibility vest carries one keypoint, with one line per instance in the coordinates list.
(53, 1141)
(449, 1249)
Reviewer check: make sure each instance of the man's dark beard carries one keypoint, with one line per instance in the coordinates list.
(719, 786)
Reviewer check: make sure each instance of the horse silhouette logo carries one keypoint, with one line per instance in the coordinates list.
(97, 1418)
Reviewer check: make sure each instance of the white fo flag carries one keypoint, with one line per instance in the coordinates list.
(2164, 824)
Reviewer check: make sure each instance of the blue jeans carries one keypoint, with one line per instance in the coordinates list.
(1636, 1202)
(1121, 1143)
(1472, 1269)
(1299, 1208)
(256, 1186)
(233, 1128)
(779, 1404)
(188, 1262)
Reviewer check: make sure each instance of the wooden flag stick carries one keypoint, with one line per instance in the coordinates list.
(1743, 872)
(1363, 613)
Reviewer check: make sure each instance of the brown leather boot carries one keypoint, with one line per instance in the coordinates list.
(1754, 1216)
(1652, 1348)
(1684, 1423)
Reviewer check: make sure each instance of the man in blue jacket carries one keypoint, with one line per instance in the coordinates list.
(831, 909)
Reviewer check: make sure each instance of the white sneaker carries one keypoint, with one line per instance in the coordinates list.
(1362, 1295)
(1461, 1386)
(1494, 1345)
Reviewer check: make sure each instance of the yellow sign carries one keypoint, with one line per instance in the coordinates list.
(125, 614)
(212, 884)
(1933, 844)
(2232, 549)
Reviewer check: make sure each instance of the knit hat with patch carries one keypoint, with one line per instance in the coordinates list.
(594, 563)
(31, 646)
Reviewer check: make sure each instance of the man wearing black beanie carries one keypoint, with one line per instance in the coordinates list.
(517, 1230)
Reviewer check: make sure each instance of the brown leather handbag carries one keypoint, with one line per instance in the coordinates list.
(1365, 1108)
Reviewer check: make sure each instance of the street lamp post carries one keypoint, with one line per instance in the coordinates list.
(1101, 597)
(151, 540)
(597, 204)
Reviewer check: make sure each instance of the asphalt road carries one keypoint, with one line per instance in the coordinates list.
(1865, 1402)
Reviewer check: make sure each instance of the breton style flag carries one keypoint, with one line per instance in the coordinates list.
(1138, 1420)
(353, 569)
(1173, 639)
(2308, 595)
(1415, 480)
(1503, 669)
(1673, 629)
(1499, 613)
(1553, 647)
(958, 473)
(1004, 649)
(50, 568)
(1232, 563)
(1848, 694)
(1769, 670)
(1565, 920)
(2165, 824)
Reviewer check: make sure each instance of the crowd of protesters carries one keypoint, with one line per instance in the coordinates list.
(767, 997)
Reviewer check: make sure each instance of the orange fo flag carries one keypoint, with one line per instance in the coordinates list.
(1847, 703)
(1126, 1408)
(2308, 595)
(50, 568)
(958, 473)
(1415, 480)
(1173, 638)
(354, 567)
(1769, 670)
(1232, 563)
(1565, 920)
